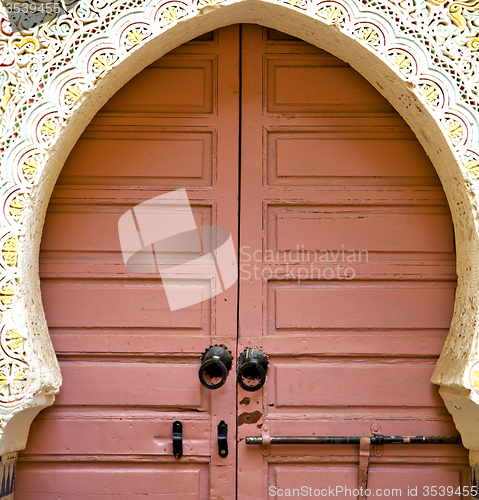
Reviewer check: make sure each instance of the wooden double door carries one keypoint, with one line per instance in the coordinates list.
(346, 281)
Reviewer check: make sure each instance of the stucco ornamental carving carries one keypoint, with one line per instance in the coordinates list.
(53, 56)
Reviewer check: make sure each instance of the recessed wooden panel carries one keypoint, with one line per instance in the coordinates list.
(206, 37)
(117, 303)
(169, 85)
(275, 36)
(355, 229)
(413, 342)
(388, 384)
(94, 228)
(156, 157)
(338, 480)
(307, 158)
(307, 85)
(293, 478)
(348, 305)
(148, 383)
(146, 434)
(79, 231)
(140, 341)
(418, 480)
(74, 482)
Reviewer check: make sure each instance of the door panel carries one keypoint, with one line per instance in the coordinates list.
(119, 482)
(129, 364)
(313, 158)
(170, 76)
(292, 86)
(319, 227)
(344, 218)
(350, 306)
(185, 157)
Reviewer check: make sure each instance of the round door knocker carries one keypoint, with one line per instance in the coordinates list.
(216, 363)
(252, 369)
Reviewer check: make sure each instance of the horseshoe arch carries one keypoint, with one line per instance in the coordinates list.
(57, 71)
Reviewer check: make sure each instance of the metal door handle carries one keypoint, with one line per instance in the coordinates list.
(177, 439)
(252, 369)
(223, 439)
(216, 362)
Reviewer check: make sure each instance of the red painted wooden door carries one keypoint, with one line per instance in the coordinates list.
(347, 282)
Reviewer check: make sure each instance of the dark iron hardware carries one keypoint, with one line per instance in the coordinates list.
(216, 363)
(223, 439)
(177, 439)
(252, 369)
(375, 440)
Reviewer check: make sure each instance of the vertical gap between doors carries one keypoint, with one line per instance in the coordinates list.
(240, 125)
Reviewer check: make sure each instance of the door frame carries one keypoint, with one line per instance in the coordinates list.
(74, 91)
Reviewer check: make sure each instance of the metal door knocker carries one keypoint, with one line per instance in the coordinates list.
(216, 363)
(252, 369)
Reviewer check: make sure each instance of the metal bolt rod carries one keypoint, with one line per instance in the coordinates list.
(376, 439)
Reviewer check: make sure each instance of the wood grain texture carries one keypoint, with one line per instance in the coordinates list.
(348, 284)
(129, 364)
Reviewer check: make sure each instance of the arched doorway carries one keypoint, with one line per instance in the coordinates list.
(346, 281)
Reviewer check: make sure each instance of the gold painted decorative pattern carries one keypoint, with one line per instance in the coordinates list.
(454, 129)
(49, 128)
(369, 35)
(170, 14)
(430, 93)
(135, 36)
(73, 93)
(16, 207)
(102, 63)
(10, 251)
(6, 295)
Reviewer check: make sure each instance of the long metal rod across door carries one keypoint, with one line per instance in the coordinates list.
(346, 282)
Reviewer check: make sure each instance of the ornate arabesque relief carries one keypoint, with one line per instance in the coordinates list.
(52, 54)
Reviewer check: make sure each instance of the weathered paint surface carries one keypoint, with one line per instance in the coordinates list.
(59, 69)
(353, 293)
(129, 364)
(323, 165)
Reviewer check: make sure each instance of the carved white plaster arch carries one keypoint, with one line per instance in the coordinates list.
(55, 75)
